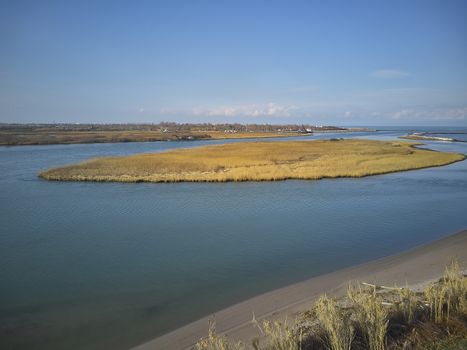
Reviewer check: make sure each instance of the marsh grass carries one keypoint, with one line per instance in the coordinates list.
(407, 303)
(336, 322)
(258, 161)
(214, 341)
(447, 296)
(278, 335)
(371, 316)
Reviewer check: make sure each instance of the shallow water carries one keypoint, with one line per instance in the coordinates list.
(108, 265)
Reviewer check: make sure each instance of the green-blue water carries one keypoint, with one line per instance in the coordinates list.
(107, 266)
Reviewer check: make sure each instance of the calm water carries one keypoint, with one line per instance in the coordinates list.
(107, 266)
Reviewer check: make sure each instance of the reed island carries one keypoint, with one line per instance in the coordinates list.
(258, 161)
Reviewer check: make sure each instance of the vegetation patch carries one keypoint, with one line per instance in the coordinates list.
(370, 318)
(258, 161)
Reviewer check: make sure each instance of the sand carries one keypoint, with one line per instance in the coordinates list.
(417, 267)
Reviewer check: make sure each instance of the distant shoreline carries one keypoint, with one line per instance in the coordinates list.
(63, 134)
(417, 267)
(109, 137)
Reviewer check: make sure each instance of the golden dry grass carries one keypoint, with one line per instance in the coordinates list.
(371, 316)
(258, 161)
(336, 322)
(450, 295)
(215, 341)
(278, 336)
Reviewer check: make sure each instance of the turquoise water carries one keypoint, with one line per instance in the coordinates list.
(107, 266)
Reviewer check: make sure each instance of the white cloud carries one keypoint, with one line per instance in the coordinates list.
(266, 110)
(389, 74)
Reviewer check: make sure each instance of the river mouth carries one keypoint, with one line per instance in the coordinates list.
(108, 266)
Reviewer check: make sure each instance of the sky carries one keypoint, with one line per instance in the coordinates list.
(317, 62)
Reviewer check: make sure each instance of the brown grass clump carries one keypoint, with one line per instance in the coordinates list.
(215, 341)
(336, 322)
(449, 295)
(435, 296)
(258, 161)
(408, 303)
(279, 336)
(371, 316)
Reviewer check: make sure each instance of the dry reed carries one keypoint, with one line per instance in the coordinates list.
(336, 322)
(449, 295)
(279, 336)
(258, 161)
(215, 341)
(408, 303)
(371, 316)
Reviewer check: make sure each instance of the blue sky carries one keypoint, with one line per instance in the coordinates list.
(323, 62)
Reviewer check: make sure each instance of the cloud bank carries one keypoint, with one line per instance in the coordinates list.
(255, 110)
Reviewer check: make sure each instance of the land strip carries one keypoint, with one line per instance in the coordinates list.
(45, 134)
(258, 161)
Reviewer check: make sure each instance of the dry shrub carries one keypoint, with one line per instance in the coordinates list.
(371, 315)
(456, 287)
(436, 336)
(215, 341)
(336, 322)
(408, 303)
(449, 295)
(280, 336)
(436, 299)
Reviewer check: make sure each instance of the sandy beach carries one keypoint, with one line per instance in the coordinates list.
(415, 267)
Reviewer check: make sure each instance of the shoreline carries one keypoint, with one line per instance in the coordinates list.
(68, 134)
(415, 267)
(181, 139)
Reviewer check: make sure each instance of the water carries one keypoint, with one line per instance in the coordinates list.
(107, 265)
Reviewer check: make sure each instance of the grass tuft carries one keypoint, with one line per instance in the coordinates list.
(449, 295)
(336, 322)
(371, 316)
(408, 303)
(280, 336)
(215, 341)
